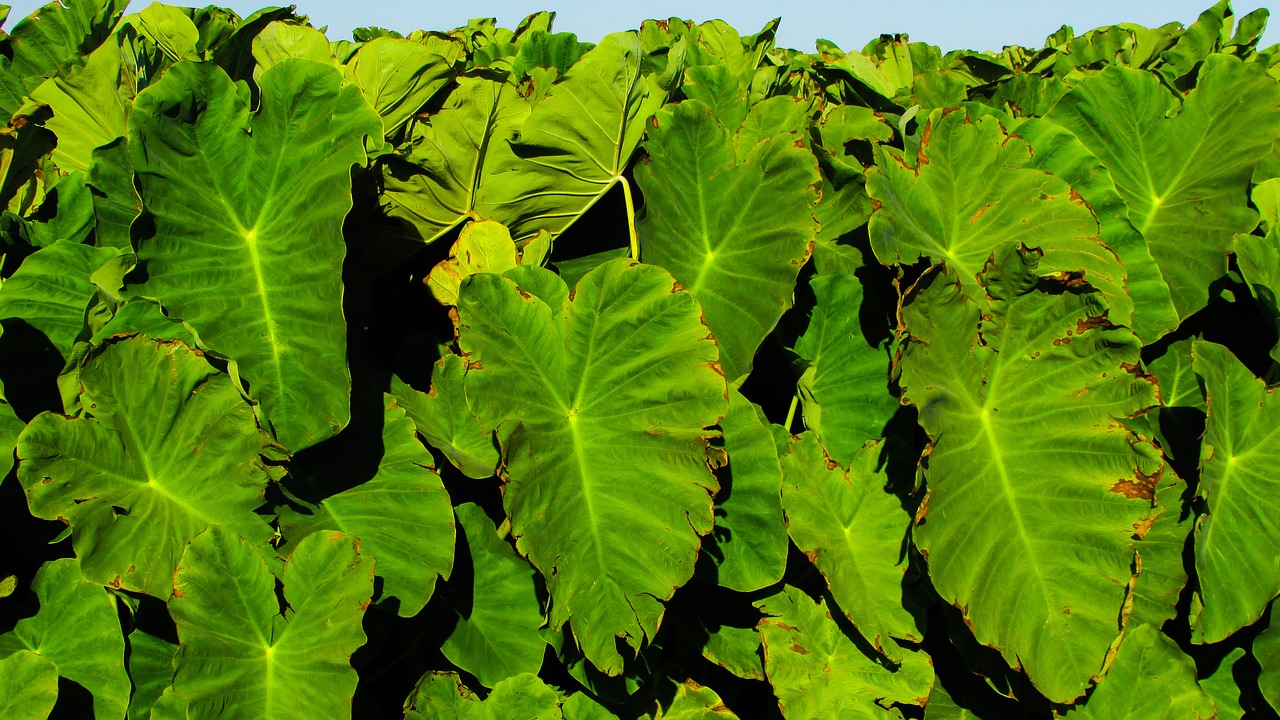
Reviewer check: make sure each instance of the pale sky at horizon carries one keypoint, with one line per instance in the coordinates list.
(987, 25)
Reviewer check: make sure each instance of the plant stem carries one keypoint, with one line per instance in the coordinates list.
(631, 218)
(791, 411)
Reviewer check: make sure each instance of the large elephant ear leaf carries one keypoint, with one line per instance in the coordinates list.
(1150, 677)
(968, 191)
(853, 530)
(41, 44)
(10, 427)
(733, 230)
(1184, 178)
(817, 671)
(1237, 536)
(29, 688)
(601, 399)
(248, 212)
(401, 515)
(167, 447)
(77, 628)
(578, 140)
(251, 659)
(444, 179)
(1042, 381)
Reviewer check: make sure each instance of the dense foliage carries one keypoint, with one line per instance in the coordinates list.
(494, 374)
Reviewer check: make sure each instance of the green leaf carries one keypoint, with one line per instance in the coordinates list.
(1259, 257)
(443, 418)
(10, 428)
(497, 633)
(167, 448)
(401, 515)
(249, 659)
(1184, 177)
(44, 41)
(971, 191)
(29, 686)
(76, 629)
(284, 40)
(397, 77)
(853, 530)
(442, 696)
(1038, 562)
(733, 230)
(484, 246)
(172, 30)
(942, 707)
(585, 390)
(1056, 150)
(1149, 678)
(1240, 526)
(737, 650)
(116, 203)
(445, 178)
(579, 139)
(1266, 649)
(845, 390)
(1221, 686)
(692, 701)
(234, 212)
(1179, 386)
(1161, 575)
(88, 108)
(51, 290)
(150, 669)
(818, 672)
(751, 535)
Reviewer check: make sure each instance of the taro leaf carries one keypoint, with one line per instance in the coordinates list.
(248, 246)
(167, 448)
(10, 428)
(44, 41)
(845, 387)
(942, 707)
(28, 686)
(735, 649)
(443, 418)
(442, 696)
(1038, 560)
(115, 199)
(1266, 649)
(1185, 177)
(750, 533)
(1149, 678)
(77, 629)
(401, 516)
(1058, 151)
(397, 77)
(690, 701)
(444, 180)
(1221, 685)
(282, 40)
(601, 399)
(818, 672)
(1179, 386)
(542, 49)
(969, 191)
(853, 530)
(579, 139)
(249, 659)
(1161, 574)
(88, 110)
(497, 632)
(172, 30)
(484, 246)
(1237, 535)
(150, 669)
(51, 290)
(1259, 257)
(733, 230)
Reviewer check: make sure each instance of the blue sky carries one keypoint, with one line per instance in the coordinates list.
(978, 25)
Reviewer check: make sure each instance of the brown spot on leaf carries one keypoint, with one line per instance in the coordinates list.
(132, 568)
(798, 649)
(1066, 609)
(978, 214)
(336, 536)
(677, 287)
(876, 205)
(784, 626)
(1140, 487)
(177, 592)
